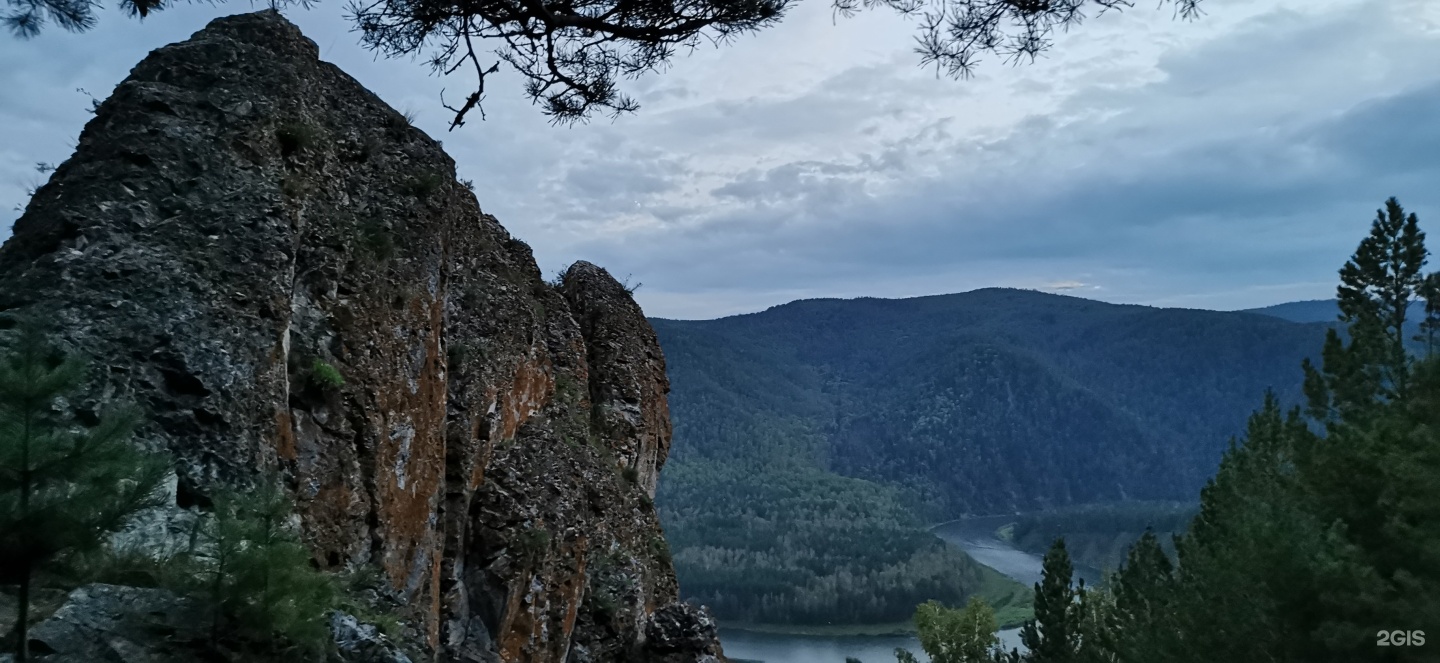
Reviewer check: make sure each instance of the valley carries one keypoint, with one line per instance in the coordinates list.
(814, 441)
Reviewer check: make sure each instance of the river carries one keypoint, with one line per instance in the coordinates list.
(975, 536)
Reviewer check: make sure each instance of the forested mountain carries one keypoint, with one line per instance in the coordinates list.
(988, 401)
(1315, 541)
(1310, 310)
(1100, 535)
(1327, 310)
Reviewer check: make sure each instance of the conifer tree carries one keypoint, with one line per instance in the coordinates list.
(1142, 593)
(1430, 292)
(258, 576)
(63, 487)
(1305, 544)
(1376, 288)
(1050, 636)
(1095, 624)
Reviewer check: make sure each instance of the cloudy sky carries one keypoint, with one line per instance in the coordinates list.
(1225, 163)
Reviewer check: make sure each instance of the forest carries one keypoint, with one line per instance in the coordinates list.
(1318, 540)
(903, 413)
(1100, 535)
(810, 548)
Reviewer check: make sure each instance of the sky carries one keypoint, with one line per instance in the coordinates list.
(1230, 162)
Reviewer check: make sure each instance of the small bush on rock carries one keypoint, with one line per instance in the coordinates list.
(424, 184)
(326, 376)
(376, 239)
(533, 541)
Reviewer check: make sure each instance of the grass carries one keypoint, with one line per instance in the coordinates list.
(1013, 602)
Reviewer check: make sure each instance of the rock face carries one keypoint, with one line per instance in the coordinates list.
(139, 626)
(242, 221)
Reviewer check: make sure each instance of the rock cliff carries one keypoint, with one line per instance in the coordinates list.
(241, 222)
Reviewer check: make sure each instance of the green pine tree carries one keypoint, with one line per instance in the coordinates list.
(1051, 636)
(1142, 591)
(259, 577)
(63, 487)
(1095, 625)
(1376, 288)
(1430, 292)
(1305, 544)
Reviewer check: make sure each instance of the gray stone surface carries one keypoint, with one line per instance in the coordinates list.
(239, 213)
(114, 624)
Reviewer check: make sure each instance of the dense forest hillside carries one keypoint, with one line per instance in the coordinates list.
(989, 401)
(1100, 535)
(1327, 310)
(1310, 310)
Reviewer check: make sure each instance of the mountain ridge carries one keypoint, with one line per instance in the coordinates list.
(994, 400)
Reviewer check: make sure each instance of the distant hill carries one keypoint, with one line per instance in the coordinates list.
(988, 401)
(1313, 310)
(1328, 311)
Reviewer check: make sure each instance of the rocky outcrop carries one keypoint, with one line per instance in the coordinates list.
(288, 278)
(122, 624)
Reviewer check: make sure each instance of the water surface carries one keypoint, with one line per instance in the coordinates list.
(975, 536)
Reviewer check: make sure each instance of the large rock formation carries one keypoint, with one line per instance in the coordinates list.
(239, 218)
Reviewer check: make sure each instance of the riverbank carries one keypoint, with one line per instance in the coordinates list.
(1013, 603)
(825, 630)
(1009, 574)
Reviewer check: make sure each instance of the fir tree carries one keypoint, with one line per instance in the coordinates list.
(1304, 543)
(259, 577)
(63, 487)
(1376, 287)
(1050, 636)
(1095, 625)
(1142, 596)
(1430, 292)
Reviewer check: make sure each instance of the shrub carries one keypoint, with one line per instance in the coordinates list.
(457, 355)
(376, 239)
(660, 548)
(567, 388)
(533, 541)
(424, 184)
(325, 376)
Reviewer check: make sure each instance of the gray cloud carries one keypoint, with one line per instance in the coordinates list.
(1226, 163)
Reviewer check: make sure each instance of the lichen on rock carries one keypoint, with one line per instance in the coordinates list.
(286, 276)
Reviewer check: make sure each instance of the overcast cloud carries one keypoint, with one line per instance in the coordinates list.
(1226, 163)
